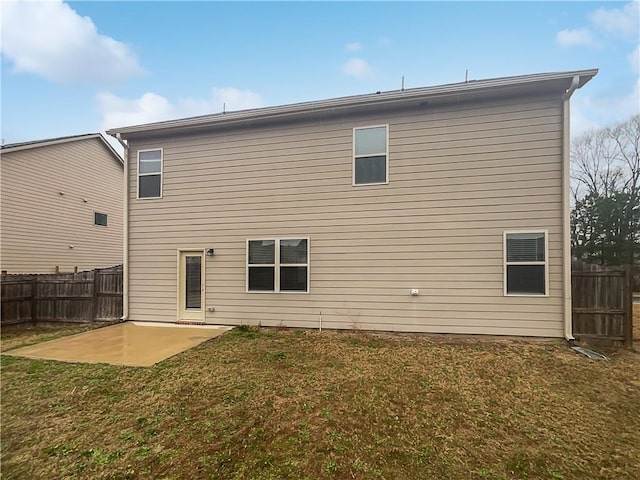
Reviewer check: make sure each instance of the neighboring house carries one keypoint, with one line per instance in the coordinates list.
(439, 209)
(61, 205)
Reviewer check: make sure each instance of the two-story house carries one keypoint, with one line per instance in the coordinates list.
(61, 202)
(438, 209)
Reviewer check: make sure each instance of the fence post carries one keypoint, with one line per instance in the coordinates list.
(628, 307)
(34, 300)
(96, 273)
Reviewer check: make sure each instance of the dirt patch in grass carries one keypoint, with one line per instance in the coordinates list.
(269, 404)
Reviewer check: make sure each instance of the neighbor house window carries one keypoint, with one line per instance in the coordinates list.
(526, 263)
(278, 265)
(370, 155)
(100, 219)
(150, 173)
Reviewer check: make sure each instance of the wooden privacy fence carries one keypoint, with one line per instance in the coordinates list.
(602, 301)
(71, 298)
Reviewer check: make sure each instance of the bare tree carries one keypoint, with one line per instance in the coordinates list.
(627, 139)
(605, 217)
(599, 160)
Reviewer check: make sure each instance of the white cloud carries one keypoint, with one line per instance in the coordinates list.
(634, 60)
(603, 110)
(572, 38)
(235, 99)
(611, 27)
(356, 67)
(353, 47)
(150, 107)
(604, 23)
(50, 39)
(119, 112)
(624, 105)
(618, 21)
(580, 120)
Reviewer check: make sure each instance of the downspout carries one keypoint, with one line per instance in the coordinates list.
(125, 233)
(566, 207)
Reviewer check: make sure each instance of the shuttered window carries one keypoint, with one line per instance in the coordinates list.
(278, 265)
(526, 263)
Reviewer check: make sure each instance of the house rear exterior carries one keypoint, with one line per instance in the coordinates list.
(440, 209)
(62, 205)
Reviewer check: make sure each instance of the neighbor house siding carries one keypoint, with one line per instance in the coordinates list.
(459, 176)
(49, 196)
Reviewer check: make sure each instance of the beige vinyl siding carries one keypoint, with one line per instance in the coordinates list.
(459, 176)
(38, 224)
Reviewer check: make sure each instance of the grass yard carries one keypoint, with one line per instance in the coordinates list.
(275, 404)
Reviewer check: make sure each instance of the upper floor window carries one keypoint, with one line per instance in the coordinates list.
(526, 263)
(371, 155)
(100, 219)
(150, 173)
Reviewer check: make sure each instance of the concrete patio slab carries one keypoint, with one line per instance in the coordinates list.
(136, 344)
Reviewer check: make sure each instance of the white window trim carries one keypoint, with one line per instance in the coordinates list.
(545, 263)
(276, 266)
(98, 225)
(386, 153)
(138, 174)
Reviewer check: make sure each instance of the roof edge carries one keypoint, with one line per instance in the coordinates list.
(16, 147)
(469, 87)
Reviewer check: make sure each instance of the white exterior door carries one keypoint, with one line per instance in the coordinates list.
(191, 286)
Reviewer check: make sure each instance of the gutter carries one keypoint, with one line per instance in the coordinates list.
(554, 81)
(125, 233)
(566, 207)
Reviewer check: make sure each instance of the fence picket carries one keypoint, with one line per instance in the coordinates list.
(71, 297)
(602, 304)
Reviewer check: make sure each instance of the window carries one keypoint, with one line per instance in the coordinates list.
(370, 155)
(525, 263)
(193, 282)
(100, 219)
(278, 265)
(150, 173)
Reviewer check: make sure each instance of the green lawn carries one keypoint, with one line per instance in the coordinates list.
(292, 404)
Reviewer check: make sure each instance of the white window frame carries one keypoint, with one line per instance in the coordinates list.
(385, 153)
(276, 266)
(138, 174)
(545, 263)
(98, 224)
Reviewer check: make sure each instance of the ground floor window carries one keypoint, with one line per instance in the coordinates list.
(278, 265)
(525, 263)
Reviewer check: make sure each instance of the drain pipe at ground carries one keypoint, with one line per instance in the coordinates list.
(566, 208)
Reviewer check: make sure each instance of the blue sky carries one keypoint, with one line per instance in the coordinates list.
(76, 67)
